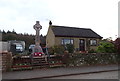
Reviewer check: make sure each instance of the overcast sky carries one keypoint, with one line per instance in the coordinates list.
(99, 15)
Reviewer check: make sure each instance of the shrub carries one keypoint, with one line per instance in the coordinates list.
(92, 51)
(70, 48)
(106, 47)
(51, 51)
(58, 49)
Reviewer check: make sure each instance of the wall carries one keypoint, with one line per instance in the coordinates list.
(81, 59)
(50, 38)
(3, 46)
(6, 58)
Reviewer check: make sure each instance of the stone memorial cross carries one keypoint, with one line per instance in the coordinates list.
(37, 47)
(37, 27)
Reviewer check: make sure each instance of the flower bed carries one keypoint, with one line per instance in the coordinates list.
(55, 61)
(21, 63)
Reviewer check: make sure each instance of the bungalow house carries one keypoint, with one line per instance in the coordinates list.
(83, 39)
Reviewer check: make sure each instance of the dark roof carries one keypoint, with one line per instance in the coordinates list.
(64, 31)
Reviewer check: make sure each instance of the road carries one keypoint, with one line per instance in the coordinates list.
(50, 72)
(102, 75)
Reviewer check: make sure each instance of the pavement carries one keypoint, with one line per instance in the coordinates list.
(55, 72)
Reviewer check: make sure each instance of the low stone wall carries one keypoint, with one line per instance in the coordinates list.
(6, 59)
(79, 59)
(76, 59)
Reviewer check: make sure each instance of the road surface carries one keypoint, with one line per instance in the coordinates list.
(50, 72)
(102, 75)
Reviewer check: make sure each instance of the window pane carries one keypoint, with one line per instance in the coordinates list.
(71, 41)
(93, 42)
(18, 46)
(66, 41)
(81, 41)
(62, 41)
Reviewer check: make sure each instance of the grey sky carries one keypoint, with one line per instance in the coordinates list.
(21, 15)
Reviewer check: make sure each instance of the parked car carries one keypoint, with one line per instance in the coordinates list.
(31, 47)
(16, 46)
(19, 48)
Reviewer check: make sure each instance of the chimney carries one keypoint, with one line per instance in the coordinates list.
(37, 22)
(50, 23)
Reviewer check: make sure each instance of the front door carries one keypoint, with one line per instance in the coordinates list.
(82, 45)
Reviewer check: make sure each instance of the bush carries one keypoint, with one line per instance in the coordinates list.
(92, 51)
(106, 47)
(58, 49)
(70, 48)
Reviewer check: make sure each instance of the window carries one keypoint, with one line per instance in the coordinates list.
(19, 48)
(93, 42)
(67, 41)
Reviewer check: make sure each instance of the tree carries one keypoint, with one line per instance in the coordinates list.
(106, 47)
(13, 32)
(3, 32)
(9, 31)
(19, 37)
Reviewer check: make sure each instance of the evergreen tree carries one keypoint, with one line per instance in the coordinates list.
(9, 31)
(3, 32)
(14, 32)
